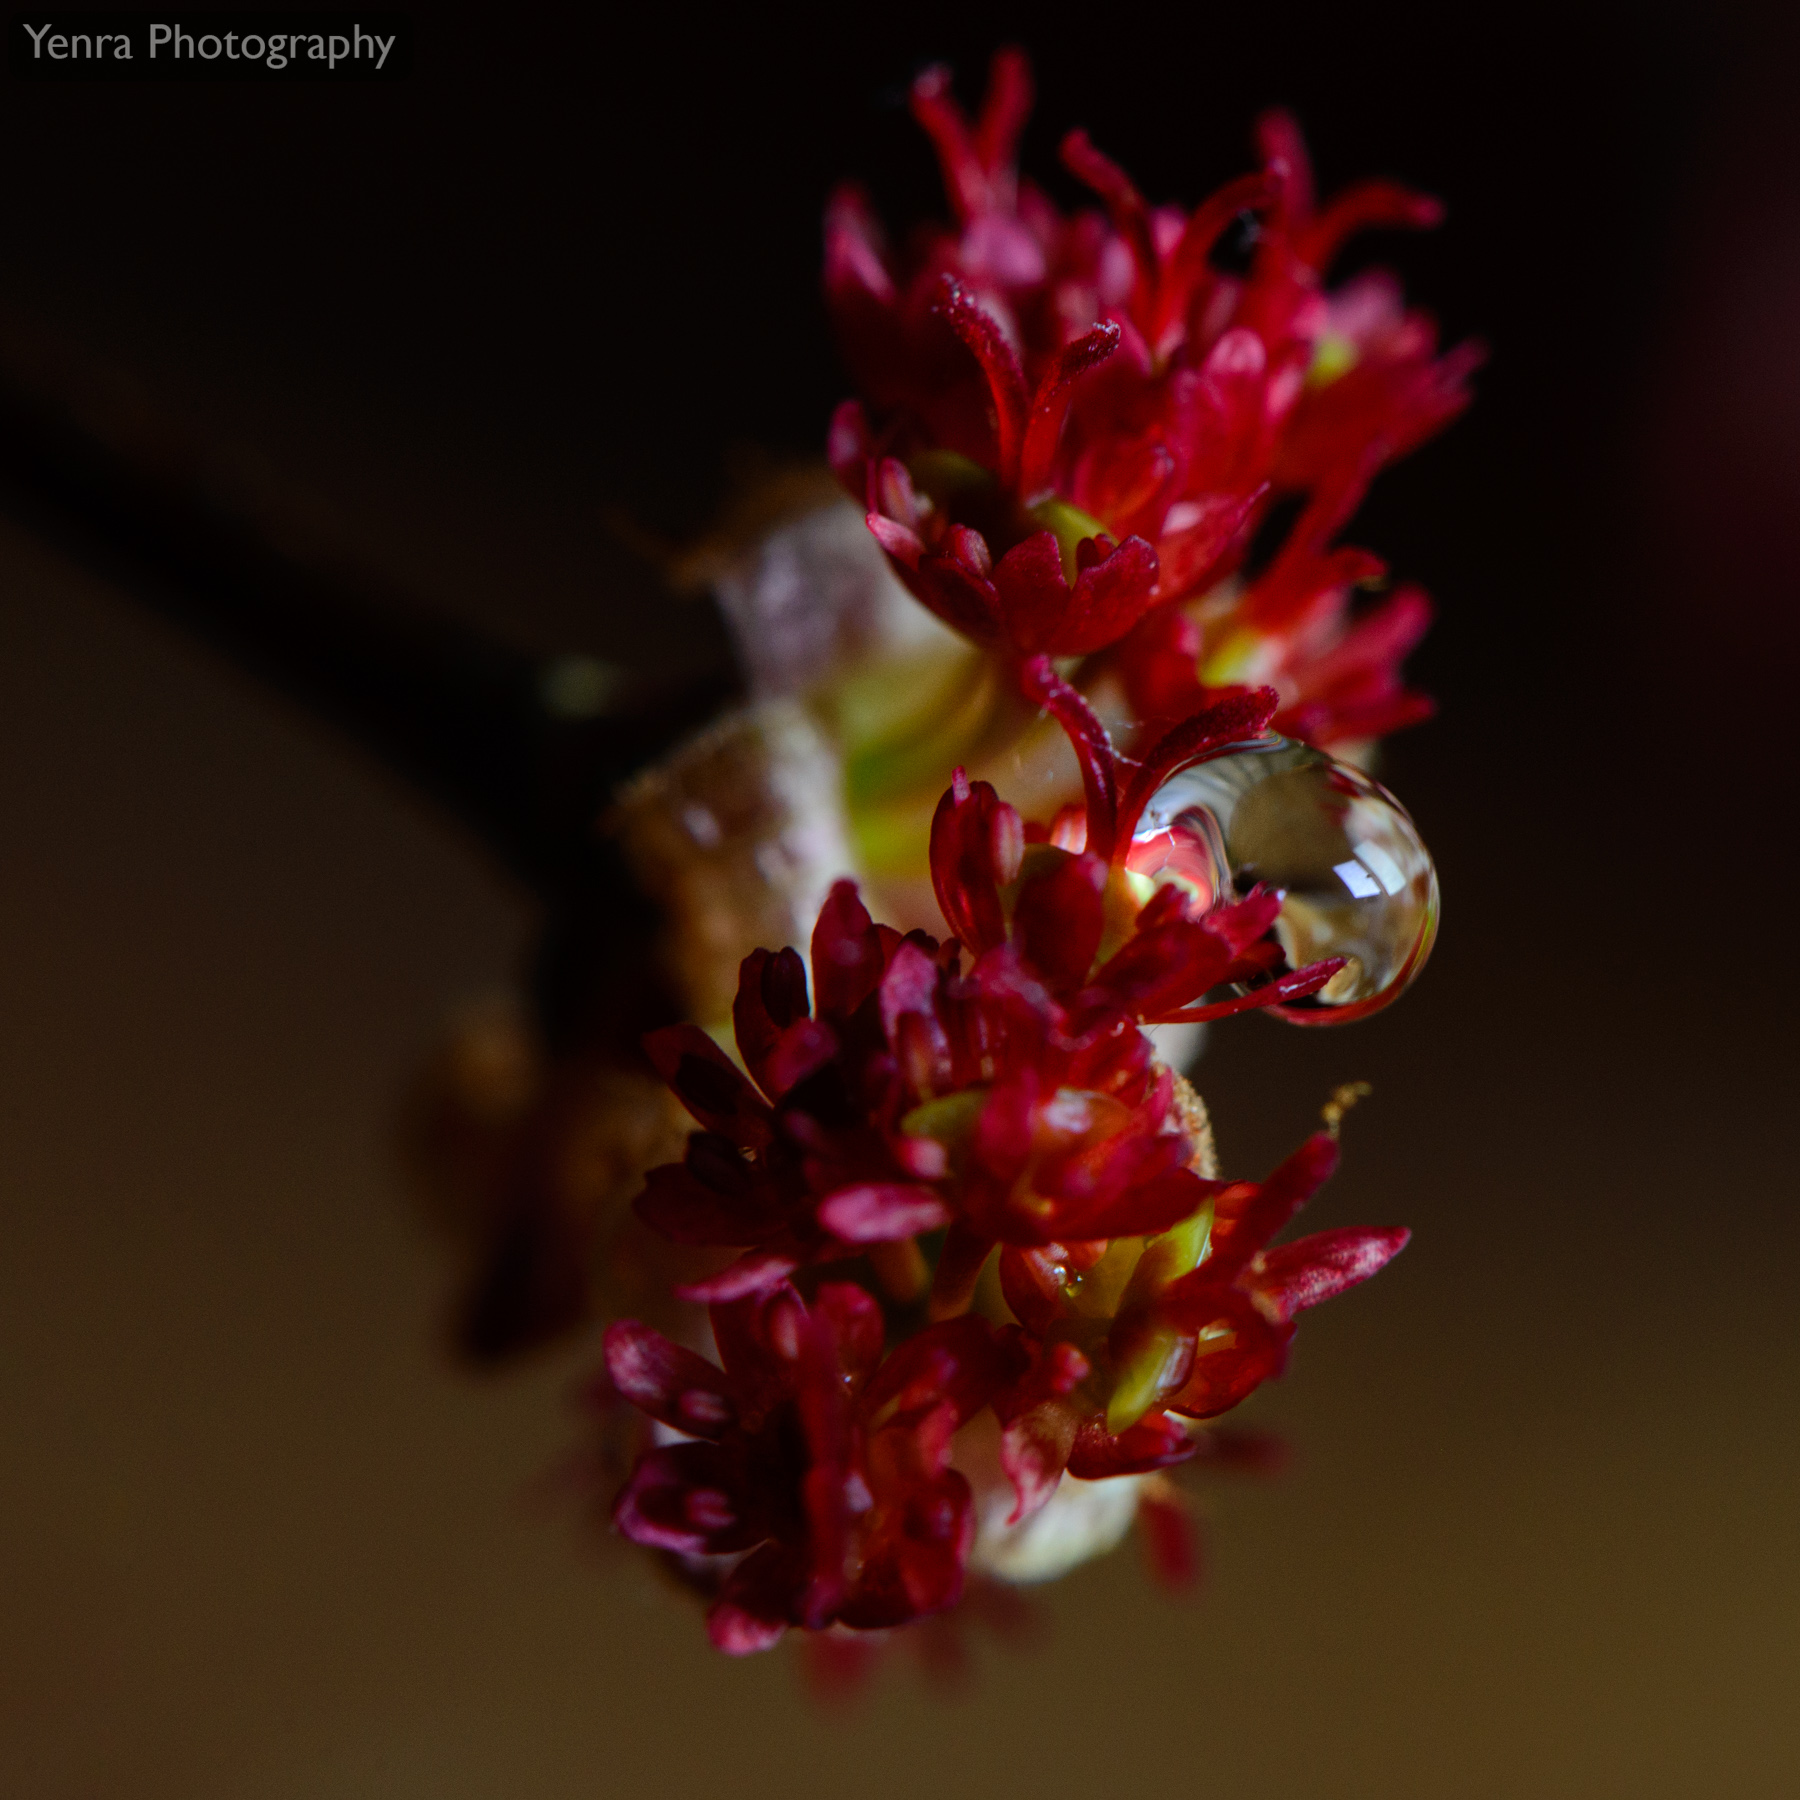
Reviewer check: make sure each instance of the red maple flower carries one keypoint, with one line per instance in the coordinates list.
(822, 1468)
(1074, 421)
(1015, 1101)
(1078, 425)
(1124, 1345)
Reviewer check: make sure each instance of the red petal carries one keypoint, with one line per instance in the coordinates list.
(901, 542)
(1191, 555)
(1003, 114)
(910, 1022)
(878, 1212)
(855, 270)
(757, 1603)
(969, 548)
(1130, 216)
(1034, 1451)
(1110, 596)
(669, 1383)
(1379, 640)
(1142, 1211)
(977, 166)
(976, 843)
(892, 493)
(1226, 1373)
(1284, 156)
(962, 596)
(758, 1272)
(1294, 986)
(859, 293)
(1315, 1269)
(1059, 918)
(913, 1567)
(1161, 967)
(1155, 1442)
(1093, 748)
(684, 1497)
(1034, 597)
(1006, 1125)
(1237, 398)
(909, 986)
(847, 955)
(959, 1363)
(1365, 207)
(1188, 268)
(1269, 1207)
(1159, 661)
(771, 996)
(1328, 722)
(1242, 923)
(1051, 403)
(1032, 1285)
(852, 1318)
(710, 1085)
(1284, 1193)
(736, 1632)
(805, 1048)
(987, 343)
(713, 1198)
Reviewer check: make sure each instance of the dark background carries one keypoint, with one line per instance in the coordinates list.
(259, 1537)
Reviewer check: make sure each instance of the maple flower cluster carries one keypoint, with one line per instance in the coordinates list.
(1070, 422)
(950, 1181)
(992, 1092)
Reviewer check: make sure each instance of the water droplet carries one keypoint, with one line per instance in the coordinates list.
(1355, 879)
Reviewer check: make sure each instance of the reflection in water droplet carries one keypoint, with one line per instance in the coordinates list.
(1355, 879)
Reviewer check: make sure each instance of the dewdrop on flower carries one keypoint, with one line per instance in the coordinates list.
(1354, 876)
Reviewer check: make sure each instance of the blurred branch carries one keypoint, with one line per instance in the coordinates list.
(523, 749)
